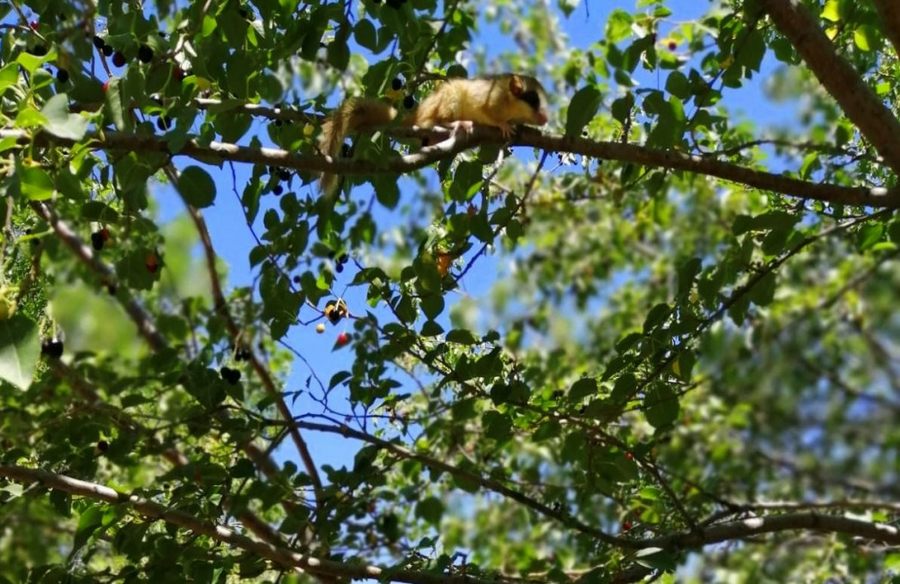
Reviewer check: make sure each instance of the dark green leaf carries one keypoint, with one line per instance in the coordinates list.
(197, 187)
(582, 109)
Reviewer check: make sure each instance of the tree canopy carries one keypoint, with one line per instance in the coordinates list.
(657, 338)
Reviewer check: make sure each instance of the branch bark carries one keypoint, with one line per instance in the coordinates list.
(277, 555)
(215, 152)
(234, 331)
(144, 321)
(889, 11)
(837, 75)
(808, 521)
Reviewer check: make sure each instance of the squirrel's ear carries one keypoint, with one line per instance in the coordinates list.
(516, 85)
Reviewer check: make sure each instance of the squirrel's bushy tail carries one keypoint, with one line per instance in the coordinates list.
(353, 115)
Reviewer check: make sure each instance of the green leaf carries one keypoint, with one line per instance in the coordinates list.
(763, 292)
(467, 181)
(88, 522)
(584, 387)
(365, 34)
(431, 510)
(868, 235)
(866, 37)
(497, 426)
(582, 109)
(462, 337)
(9, 76)
(661, 406)
(60, 122)
(36, 184)
(197, 187)
(114, 104)
(677, 84)
(20, 349)
(618, 26)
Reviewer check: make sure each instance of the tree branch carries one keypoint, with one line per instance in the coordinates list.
(808, 521)
(487, 483)
(277, 555)
(221, 306)
(889, 11)
(216, 152)
(837, 75)
(144, 322)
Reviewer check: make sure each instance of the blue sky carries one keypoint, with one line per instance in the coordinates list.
(233, 241)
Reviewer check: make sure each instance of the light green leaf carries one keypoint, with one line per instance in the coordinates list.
(9, 75)
(36, 184)
(60, 122)
(866, 37)
(20, 349)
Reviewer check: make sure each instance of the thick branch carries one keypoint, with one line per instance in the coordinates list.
(889, 11)
(277, 555)
(838, 76)
(775, 523)
(216, 152)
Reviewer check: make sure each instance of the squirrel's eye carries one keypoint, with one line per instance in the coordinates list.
(531, 98)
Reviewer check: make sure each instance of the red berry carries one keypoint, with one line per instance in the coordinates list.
(151, 262)
(33, 24)
(626, 525)
(342, 340)
(106, 86)
(629, 456)
(104, 233)
(673, 45)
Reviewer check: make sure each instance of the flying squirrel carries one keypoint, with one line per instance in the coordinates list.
(498, 100)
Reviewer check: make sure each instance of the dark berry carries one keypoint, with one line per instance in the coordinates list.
(163, 123)
(151, 262)
(162, 34)
(145, 54)
(339, 268)
(102, 445)
(99, 43)
(230, 375)
(107, 51)
(111, 289)
(38, 50)
(278, 123)
(345, 151)
(52, 348)
(179, 74)
(343, 259)
(409, 102)
(284, 175)
(97, 240)
(278, 189)
(244, 13)
(394, 3)
(118, 59)
(297, 279)
(62, 75)
(397, 84)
